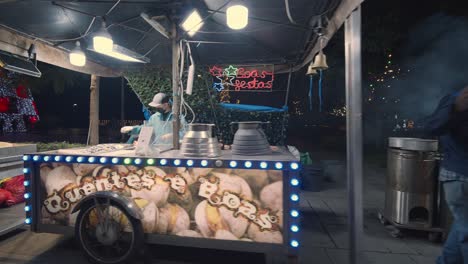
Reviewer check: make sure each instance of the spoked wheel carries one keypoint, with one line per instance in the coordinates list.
(107, 233)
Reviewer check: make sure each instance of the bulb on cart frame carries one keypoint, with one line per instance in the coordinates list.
(36, 158)
(68, 159)
(27, 208)
(294, 228)
(204, 163)
(177, 162)
(150, 162)
(58, 158)
(163, 162)
(25, 170)
(80, 159)
(26, 183)
(294, 166)
(91, 159)
(263, 165)
(27, 221)
(115, 160)
(46, 158)
(294, 182)
(294, 243)
(26, 157)
(103, 160)
(137, 161)
(27, 195)
(233, 164)
(278, 165)
(190, 163)
(294, 213)
(248, 164)
(294, 197)
(127, 161)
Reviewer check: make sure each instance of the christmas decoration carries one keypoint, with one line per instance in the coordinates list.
(16, 103)
(242, 78)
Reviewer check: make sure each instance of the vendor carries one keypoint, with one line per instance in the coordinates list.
(161, 121)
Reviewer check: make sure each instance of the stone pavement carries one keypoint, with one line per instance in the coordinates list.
(325, 232)
(324, 241)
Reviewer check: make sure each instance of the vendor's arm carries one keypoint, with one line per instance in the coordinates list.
(447, 114)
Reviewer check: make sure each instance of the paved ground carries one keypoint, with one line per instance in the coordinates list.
(324, 236)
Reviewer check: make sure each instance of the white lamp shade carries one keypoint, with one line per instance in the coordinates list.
(237, 16)
(102, 44)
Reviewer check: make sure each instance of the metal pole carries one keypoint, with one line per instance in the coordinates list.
(122, 104)
(175, 88)
(354, 133)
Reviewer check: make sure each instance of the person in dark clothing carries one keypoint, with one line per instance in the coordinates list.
(450, 123)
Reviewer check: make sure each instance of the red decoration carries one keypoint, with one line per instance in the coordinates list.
(15, 186)
(21, 91)
(4, 104)
(33, 119)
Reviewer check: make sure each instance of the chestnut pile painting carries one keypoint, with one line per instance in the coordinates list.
(231, 204)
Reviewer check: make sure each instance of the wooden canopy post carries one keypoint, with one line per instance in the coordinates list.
(175, 89)
(93, 133)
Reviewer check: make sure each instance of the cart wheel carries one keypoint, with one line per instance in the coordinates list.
(434, 237)
(382, 219)
(107, 233)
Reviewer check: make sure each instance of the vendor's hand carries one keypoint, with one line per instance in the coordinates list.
(461, 103)
(126, 129)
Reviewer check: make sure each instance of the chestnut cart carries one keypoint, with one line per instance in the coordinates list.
(115, 201)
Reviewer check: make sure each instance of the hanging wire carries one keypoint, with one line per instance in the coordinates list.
(288, 12)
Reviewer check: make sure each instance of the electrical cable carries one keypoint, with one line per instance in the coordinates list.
(112, 8)
(288, 12)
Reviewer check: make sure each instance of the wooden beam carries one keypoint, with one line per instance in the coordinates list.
(17, 43)
(93, 136)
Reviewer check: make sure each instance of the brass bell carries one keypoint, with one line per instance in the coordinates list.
(320, 62)
(311, 71)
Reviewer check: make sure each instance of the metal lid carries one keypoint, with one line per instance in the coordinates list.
(414, 144)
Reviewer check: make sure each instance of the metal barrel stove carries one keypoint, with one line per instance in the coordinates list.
(411, 188)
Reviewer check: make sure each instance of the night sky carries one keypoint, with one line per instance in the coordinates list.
(387, 26)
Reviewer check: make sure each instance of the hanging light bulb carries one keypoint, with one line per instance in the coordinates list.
(237, 16)
(77, 56)
(102, 40)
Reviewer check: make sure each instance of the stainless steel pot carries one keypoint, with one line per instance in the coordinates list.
(250, 139)
(416, 144)
(199, 141)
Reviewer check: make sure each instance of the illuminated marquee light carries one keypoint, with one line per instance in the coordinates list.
(248, 164)
(204, 163)
(115, 160)
(91, 159)
(263, 165)
(127, 161)
(68, 159)
(177, 162)
(150, 162)
(25, 170)
(26, 158)
(232, 164)
(241, 78)
(28, 221)
(163, 162)
(27, 195)
(190, 163)
(26, 183)
(58, 158)
(294, 243)
(46, 158)
(294, 213)
(137, 161)
(36, 158)
(103, 160)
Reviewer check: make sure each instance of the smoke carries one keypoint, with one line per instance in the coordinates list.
(436, 53)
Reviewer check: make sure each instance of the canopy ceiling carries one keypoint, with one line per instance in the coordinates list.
(269, 37)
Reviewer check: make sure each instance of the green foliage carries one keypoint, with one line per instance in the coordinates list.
(204, 101)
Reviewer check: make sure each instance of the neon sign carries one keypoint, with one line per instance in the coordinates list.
(240, 78)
